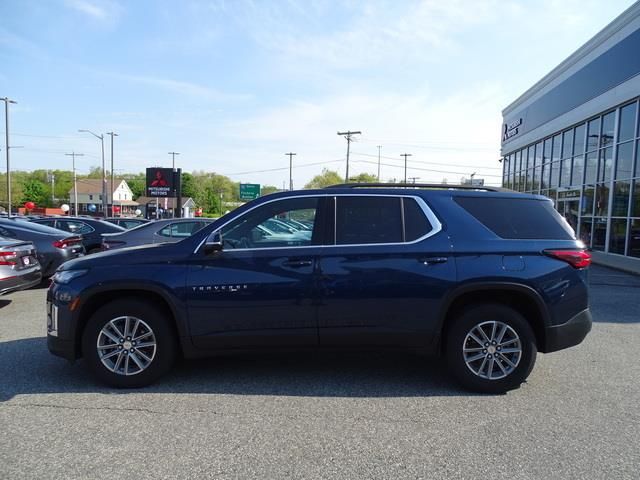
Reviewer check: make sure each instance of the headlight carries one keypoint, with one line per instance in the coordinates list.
(66, 276)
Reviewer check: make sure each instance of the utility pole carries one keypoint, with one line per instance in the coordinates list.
(291, 154)
(405, 155)
(104, 175)
(348, 135)
(7, 101)
(73, 156)
(112, 135)
(379, 147)
(173, 159)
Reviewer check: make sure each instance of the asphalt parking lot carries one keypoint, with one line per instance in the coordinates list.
(325, 416)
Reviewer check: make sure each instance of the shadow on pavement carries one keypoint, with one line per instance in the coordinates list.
(27, 367)
(613, 295)
(4, 303)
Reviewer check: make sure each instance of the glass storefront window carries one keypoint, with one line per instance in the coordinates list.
(593, 134)
(606, 164)
(618, 235)
(578, 140)
(602, 200)
(624, 162)
(537, 175)
(599, 233)
(557, 148)
(565, 173)
(635, 199)
(591, 168)
(585, 231)
(587, 201)
(637, 174)
(530, 180)
(577, 175)
(627, 122)
(567, 142)
(634, 238)
(608, 125)
(554, 175)
(621, 192)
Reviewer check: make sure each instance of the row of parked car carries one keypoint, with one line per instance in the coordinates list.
(32, 248)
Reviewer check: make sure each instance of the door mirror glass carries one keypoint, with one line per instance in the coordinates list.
(213, 243)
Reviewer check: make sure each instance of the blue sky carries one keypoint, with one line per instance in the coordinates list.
(233, 85)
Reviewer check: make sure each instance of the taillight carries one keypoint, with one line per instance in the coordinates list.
(575, 258)
(8, 258)
(67, 242)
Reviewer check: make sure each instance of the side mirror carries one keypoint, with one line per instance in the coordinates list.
(213, 243)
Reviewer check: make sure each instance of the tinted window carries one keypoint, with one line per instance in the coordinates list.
(79, 228)
(283, 223)
(518, 217)
(627, 122)
(180, 230)
(364, 220)
(416, 224)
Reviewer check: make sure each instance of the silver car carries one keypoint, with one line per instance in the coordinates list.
(159, 231)
(19, 267)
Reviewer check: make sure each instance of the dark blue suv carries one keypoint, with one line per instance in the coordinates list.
(485, 278)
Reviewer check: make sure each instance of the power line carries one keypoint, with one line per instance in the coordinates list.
(423, 169)
(282, 168)
(425, 162)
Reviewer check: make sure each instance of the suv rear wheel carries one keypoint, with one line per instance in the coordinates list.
(129, 343)
(490, 348)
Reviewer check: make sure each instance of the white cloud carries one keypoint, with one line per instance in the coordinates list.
(88, 8)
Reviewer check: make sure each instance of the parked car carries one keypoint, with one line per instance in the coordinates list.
(19, 267)
(159, 231)
(90, 229)
(53, 247)
(484, 278)
(127, 222)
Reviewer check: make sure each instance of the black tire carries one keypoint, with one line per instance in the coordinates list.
(457, 339)
(164, 353)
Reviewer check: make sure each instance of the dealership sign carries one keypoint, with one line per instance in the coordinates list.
(160, 182)
(511, 129)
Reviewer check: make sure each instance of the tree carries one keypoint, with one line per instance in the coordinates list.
(34, 191)
(325, 179)
(364, 178)
(267, 189)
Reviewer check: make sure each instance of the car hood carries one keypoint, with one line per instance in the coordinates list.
(142, 254)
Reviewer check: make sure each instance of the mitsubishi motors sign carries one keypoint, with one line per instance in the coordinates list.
(160, 182)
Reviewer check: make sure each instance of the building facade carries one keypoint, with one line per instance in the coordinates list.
(90, 198)
(575, 137)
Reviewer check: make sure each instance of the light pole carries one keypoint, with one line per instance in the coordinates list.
(112, 135)
(291, 154)
(73, 156)
(173, 159)
(104, 176)
(7, 101)
(405, 155)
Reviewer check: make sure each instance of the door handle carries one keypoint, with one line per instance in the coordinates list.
(298, 263)
(432, 260)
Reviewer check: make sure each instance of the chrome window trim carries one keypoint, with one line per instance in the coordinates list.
(431, 217)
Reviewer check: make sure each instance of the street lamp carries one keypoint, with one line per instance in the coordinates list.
(112, 135)
(7, 101)
(104, 179)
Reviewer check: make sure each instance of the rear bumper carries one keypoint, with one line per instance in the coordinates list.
(568, 334)
(20, 282)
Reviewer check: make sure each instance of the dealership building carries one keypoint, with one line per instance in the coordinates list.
(574, 137)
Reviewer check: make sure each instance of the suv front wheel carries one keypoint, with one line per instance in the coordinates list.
(129, 343)
(490, 348)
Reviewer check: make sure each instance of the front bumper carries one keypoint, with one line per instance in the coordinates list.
(61, 337)
(568, 334)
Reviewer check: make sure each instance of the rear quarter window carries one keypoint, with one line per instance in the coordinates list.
(518, 218)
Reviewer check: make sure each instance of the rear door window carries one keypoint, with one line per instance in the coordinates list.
(368, 219)
(74, 226)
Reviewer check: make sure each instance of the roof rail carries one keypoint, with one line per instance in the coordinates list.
(434, 186)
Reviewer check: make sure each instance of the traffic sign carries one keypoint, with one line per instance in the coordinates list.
(249, 191)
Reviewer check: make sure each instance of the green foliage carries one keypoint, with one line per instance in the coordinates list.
(363, 178)
(325, 179)
(34, 191)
